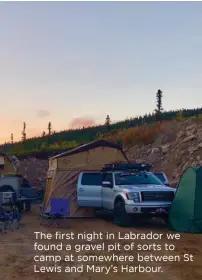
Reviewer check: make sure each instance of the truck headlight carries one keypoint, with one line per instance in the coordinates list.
(134, 196)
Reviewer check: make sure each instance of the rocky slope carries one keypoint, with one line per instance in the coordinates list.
(35, 171)
(178, 146)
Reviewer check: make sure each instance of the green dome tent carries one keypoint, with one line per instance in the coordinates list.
(186, 210)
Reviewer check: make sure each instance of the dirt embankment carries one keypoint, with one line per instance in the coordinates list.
(178, 146)
(35, 171)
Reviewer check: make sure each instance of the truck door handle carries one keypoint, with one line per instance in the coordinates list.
(81, 189)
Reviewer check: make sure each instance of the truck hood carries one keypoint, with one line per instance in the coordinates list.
(147, 188)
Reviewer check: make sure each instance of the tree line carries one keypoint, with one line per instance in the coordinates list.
(71, 138)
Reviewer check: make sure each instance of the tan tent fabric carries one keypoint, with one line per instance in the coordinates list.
(90, 160)
(65, 168)
(2, 162)
(6, 166)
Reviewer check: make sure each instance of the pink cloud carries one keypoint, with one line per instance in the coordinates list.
(81, 122)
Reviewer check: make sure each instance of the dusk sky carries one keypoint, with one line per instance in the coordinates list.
(72, 63)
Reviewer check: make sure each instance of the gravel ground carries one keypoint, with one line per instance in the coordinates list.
(17, 251)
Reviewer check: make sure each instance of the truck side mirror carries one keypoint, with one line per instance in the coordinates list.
(107, 184)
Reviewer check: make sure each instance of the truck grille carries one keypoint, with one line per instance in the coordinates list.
(157, 196)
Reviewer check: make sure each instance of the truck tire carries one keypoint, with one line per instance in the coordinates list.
(121, 218)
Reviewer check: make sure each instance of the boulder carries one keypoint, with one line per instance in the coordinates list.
(189, 138)
(165, 148)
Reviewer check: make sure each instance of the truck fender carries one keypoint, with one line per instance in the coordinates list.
(6, 188)
(119, 197)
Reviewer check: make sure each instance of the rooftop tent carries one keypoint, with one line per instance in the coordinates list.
(2, 162)
(6, 165)
(186, 210)
(65, 168)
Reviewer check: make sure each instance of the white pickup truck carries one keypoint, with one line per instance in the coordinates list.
(124, 192)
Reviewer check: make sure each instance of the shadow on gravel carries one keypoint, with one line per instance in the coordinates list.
(152, 223)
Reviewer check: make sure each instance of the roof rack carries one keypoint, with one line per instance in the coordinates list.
(127, 167)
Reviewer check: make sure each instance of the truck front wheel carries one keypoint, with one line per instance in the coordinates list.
(121, 218)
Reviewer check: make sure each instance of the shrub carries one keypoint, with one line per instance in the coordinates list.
(180, 116)
(145, 134)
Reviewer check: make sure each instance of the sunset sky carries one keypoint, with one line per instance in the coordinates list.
(72, 63)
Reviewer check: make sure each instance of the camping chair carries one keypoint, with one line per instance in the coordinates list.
(59, 210)
(9, 219)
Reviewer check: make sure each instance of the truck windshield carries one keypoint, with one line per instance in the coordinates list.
(160, 176)
(136, 179)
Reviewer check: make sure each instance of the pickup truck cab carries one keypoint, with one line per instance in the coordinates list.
(125, 193)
